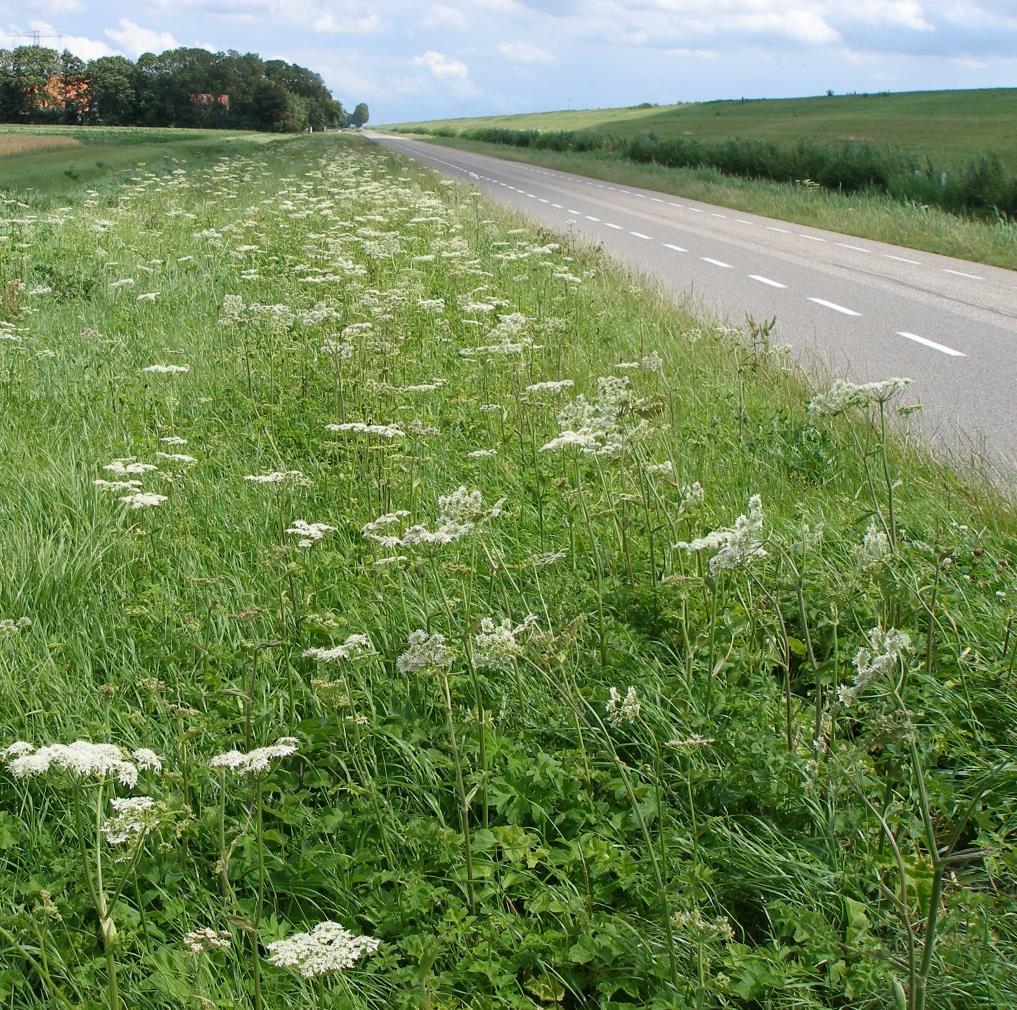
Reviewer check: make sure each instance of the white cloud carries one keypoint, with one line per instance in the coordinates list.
(442, 66)
(55, 6)
(525, 52)
(363, 25)
(135, 39)
(80, 45)
(443, 16)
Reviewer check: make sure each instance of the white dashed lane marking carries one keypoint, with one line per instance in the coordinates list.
(766, 280)
(716, 263)
(639, 234)
(676, 248)
(812, 238)
(836, 308)
(960, 273)
(617, 227)
(925, 342)
(590, 217)
(853, 248)
(901, 259)
(783, 231)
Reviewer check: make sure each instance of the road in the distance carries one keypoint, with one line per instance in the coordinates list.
(869, 309)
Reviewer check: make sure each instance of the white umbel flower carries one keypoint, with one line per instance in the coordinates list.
(354, 646)
(81, 759)
(327, 948)
(255, 761)
(622, 710)
(200, 941)
(736, 546)
(167, 369)
(132, 817)
(360, 428)
(498, 646)
(425, 652)
(843, 395)
(884, 650)
(309, 533)
(142, 500)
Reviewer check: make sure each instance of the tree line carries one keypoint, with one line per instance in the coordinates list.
(179, 87)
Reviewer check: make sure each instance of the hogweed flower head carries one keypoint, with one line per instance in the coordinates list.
(360, 428)
(622, 710)
(167, 369)
(81, 760)
(133, 817)
(276, 477)
(736, 546)
(9, 626)
(354, 647)
(200, 941)
(310, 533)
(256, 761)
(498, 646)
(142, 500)
(843, 395)
(328, 947)
(884, 650)
(425, 653)
(875, 546)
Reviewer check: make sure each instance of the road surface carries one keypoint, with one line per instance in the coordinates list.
(870, 310)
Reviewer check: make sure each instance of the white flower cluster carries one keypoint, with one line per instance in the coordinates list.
(255, 761)
(338, 349)
(12, 627)
(425, 652)
(459, 513)
(552, 386)
(82, 760)
(135, 498)
(132, 817)
(126, 467)
(884, 649)
(507, 338)
(275, 477)
(875, 546)
(691, 742)
(354, 647)
(360, 428)
(142, 500)
(166, 369)
(199, 941)
(309, 533)
(596, 428)
(736, 546)
(326, 948)
(843, 395)
(622, 710)
(695, 925)
(176, 457)
(497, 646)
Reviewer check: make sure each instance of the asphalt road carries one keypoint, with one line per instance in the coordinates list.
(867, 310)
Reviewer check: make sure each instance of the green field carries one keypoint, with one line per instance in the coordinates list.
(105, 151)
(370, 557)
(948, 127)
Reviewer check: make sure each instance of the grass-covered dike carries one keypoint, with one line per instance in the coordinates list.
(403, 609)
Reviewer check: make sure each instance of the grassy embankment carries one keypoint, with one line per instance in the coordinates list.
(55, 158)
(764, 815)
(948, 130)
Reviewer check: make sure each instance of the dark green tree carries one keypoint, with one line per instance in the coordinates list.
(360, 114)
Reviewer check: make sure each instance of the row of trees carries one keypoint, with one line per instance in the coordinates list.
(179, 87)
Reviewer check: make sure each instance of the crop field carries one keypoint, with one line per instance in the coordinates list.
(950, 128)
(405, 608)
(58, 158)
(29, 144)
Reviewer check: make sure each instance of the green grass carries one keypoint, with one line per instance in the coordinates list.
(732, 835)
(950, 128)
(108, 151)
(866, 215)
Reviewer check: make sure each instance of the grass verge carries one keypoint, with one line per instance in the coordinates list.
(864, 215)
(411, 600)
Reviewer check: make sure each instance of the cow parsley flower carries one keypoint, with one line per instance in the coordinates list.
(424, 653)
(327, 948)
(255, 761)
(176, 457)
(167, 369)
(875, 546)
(353, 647)
(736, 546)
(124, 467)
(275, 477)
(10, 627)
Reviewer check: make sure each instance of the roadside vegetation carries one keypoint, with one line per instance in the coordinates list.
(403, 608)
(865, 214)
(27, 143)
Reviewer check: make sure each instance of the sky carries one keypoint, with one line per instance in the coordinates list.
(421, 60)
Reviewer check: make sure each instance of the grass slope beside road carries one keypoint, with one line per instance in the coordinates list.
(56, 159)
(950, 128)
(317, 452)
(865, 215)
